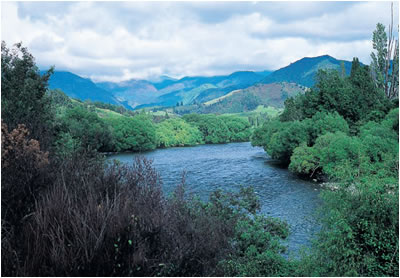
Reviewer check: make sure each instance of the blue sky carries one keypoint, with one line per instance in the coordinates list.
(117, 41)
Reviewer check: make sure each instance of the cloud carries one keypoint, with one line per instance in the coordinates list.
(122, 40)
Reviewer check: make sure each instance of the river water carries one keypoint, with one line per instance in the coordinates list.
(226, 167)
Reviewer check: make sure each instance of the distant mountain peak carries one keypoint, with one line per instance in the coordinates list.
(303, 71)
(79, 87)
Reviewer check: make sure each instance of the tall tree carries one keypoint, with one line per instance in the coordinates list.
(23, 93)
(385, 60)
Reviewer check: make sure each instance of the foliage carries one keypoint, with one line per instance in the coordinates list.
(385, 61)
(373, 152)
(23, 94)
(85, 128)
(239, 128)
(343, 129)
(293, 109)
(116, 108)
(360, 233)
(22, 162)
(354, 97)
(285, 139)
(280, 139)
(258, 249)
(113, 220)
(322, 123)
(305, 160)
(176, 132)
(133, 133)
(259, 136)
(23, 168)
(220, 129)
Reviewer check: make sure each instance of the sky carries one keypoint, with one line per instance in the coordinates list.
(117, 41)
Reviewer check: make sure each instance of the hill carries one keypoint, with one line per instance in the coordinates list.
(80, 88)
(303, 71)
(133, 92)
(199, 89)
(244, 100)
(190, 90)
(248, 99)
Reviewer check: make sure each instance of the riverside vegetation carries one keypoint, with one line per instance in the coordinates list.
(66, 212)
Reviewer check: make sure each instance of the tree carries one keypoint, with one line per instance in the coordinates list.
(176, 132)
(133, 133)
(23, 94)
(385, 62)
(85, 128)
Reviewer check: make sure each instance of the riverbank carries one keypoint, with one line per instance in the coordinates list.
(229, 166)
(163, 148)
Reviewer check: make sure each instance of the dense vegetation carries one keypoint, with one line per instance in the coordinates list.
(66, 212)
(107, 128)
(346, 130)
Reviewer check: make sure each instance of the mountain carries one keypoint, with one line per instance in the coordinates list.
(199, 89)
(167, 91)
(133, 92)
(250, 98)
(304, 70)
(264, 73)
(80, 88)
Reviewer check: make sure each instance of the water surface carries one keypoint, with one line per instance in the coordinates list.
(227, 166)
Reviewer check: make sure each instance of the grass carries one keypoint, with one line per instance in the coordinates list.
(215, 100)
(106, 113)
(261, 109)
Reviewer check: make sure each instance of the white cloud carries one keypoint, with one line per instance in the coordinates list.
(122, 40)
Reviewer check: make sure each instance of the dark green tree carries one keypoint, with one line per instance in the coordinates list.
(84, 129)
(23, 94)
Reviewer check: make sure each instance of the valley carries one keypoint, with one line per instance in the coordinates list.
(218, 175)
(214, 94)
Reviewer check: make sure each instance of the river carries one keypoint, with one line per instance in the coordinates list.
(227, 166)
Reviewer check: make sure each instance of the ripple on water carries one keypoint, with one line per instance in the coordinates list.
(226, 167)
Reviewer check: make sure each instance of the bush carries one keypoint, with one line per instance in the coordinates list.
(360, 234)
(113, 220)
(23, 168)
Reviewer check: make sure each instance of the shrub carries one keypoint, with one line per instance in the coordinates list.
(114, 220)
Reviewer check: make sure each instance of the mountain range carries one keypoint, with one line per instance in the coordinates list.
(167, 91)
